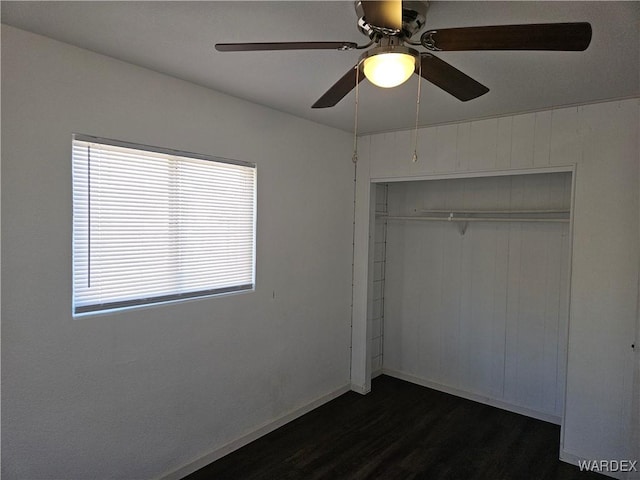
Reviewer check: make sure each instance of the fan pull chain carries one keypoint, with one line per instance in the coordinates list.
(354, 158)
(415, 139)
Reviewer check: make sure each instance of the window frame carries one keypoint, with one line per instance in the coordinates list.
(155, 300)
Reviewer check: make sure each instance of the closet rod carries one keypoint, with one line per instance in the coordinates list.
(474, 219)
(497, 212)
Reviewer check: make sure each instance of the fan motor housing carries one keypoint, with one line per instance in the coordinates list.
(414, 15)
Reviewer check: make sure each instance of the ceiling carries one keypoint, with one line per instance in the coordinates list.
(177, 38)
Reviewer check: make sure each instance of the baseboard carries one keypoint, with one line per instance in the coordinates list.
(473, 396)
(375, 374)
(361, 389)
(251, 436)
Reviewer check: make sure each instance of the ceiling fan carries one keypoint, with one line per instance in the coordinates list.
(390, 26)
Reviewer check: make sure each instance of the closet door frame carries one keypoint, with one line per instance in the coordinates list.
(364, 237)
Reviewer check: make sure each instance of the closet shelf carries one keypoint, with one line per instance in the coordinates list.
(473, 219)
(484, 216)
(499, 212)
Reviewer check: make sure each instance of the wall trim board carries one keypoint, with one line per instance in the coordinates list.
(472, 396)
(361, 389)
(477, 174)
(252, 435)
(362, 265)
(568, 306)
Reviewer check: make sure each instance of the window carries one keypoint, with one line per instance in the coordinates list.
(152, 225)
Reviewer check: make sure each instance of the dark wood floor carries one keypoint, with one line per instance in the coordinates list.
(401, 431)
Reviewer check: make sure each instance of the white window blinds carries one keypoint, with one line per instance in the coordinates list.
(151, 225)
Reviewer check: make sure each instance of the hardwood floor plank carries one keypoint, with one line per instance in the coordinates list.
(401, 431)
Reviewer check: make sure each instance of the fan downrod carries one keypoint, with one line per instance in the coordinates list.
(414, 16)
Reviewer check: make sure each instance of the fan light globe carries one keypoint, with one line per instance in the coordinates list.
(389, 70)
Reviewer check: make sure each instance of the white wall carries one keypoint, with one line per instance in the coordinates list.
(602, 141)
(140, 393)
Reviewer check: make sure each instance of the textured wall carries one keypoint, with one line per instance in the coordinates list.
(137, 394)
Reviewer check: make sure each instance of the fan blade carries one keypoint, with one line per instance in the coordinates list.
(537, 36)
(383, 13)
(252, 47)
(450, 79)
(340, 89)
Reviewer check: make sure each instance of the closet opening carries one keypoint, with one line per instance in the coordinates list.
(469, 291)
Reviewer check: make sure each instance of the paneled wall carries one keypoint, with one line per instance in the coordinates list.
(480, 309)
(601, 142)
